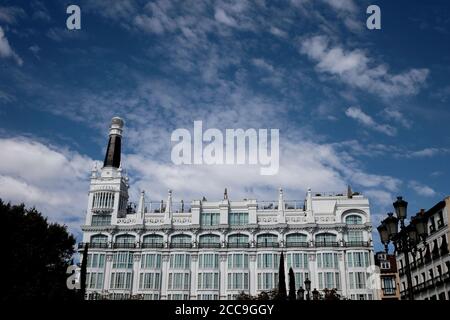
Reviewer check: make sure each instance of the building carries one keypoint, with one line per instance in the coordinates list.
(217, 249)
(430, 264)
(389, 279)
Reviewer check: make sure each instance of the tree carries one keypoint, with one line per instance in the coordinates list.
(291, 284)
(36, 255)
(83, 272)
(281, 280)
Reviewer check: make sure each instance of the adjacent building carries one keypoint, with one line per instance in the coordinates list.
(217, 249)
(389, 278)
(430, 264)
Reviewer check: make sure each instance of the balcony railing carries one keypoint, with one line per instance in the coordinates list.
(96, 245)
(389, 291)
(181, 245)
(146, 245)
(124, 245)
(238, 245)
(357, 244)
(295, 244)
(268, 244)
(326, 244)
(209, 245)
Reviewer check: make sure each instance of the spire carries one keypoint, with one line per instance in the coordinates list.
(112, 156)
(309, 200)
(169, 202)
(280, 200)
(225, 194)
(141, 205)
(349, 192)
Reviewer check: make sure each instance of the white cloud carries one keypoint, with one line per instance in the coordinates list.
(54, 180)
(221, 16)
(426, 152)
(367, 121)
(278, 32)
(5, 49)
(421, 189)
(10, 15)
(396, 115)
(358, 70)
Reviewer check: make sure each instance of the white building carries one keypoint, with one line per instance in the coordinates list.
(217, 249)
(430, 264)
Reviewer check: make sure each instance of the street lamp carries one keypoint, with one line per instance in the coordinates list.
(405, 240)
(308, 288)
(300, 294)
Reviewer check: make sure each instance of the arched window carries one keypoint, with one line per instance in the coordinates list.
(152, 241)
(238, 241)
(267, 240)
(209, 241)
(353, 219)
(326, 239)
(125, 241)
(181, 241)
(99, 241)
(296, 239)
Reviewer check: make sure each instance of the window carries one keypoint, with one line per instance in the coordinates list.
(180, 261)
(327, 260)
(267, 280)
(297, 260)
(357, 280)
(355, 236)
(99, 239)
(181, 240)
(96, 260)
(237, 218)
(209, 240)
(94, 280)
(208, 261)
(209, 218)
(151, 261)
(150, 280)
(237, 281)
(268, 261)
(103, 200)
(358, 259)
(300, 278)
(238, 261)
(268, 239)
(325, 238)
(101, 220)
(179, 281)
(208, 280)
(122, 260)
(120, 280)
(329, 280)
(295, 238)
(353, 219)
(238, 239)
(152, 241)
(388, 285)
(385, 265)
(125, 240)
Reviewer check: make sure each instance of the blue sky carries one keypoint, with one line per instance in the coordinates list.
(369, 108)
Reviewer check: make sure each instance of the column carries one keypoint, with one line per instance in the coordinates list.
(223, 275)
(164, 275)
(108, 270)
(194, 276)
(136, 268)
(252, 273)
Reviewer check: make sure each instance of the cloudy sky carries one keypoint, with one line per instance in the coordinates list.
(369, 108)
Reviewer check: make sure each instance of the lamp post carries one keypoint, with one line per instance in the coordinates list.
(308, 288)
(405, 240)
(315, 294)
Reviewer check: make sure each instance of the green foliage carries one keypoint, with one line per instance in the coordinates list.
(35, 256)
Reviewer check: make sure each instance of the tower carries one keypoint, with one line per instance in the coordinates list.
(108, 193)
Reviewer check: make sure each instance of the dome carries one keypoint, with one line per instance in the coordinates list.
(117, 122)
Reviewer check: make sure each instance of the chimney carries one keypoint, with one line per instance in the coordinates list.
(112, 156)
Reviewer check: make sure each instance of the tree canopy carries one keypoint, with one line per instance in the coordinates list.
(36, 255)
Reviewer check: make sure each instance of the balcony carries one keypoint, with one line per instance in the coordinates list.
(209, 245)
(95, 245)
(181, 245)
(292, 244)
(357, 244)
(326, 244)
(146, 245)
(238, 245)
(389, 291)
(124, 245)
(268, 244)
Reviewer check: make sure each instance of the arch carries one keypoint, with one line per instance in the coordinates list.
(296, 237)
(238, 240)
(99, 241)
(357, 212)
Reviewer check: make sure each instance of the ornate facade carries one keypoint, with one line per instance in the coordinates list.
(217, 249)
